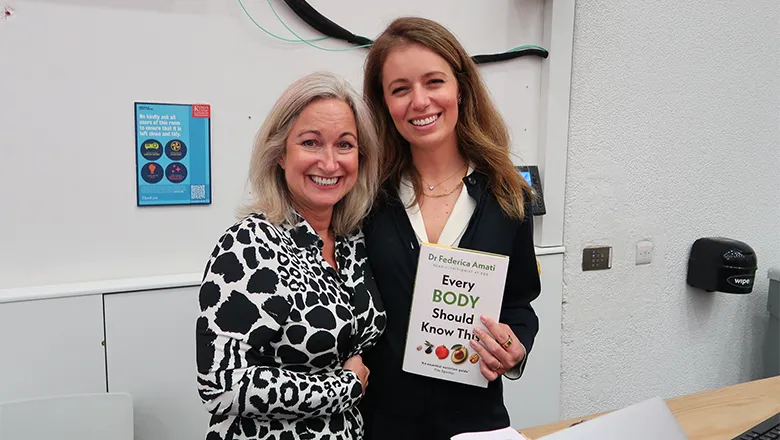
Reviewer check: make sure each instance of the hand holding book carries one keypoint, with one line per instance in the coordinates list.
(501, 350)
(453, 288)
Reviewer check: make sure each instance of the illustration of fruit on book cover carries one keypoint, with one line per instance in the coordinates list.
(453, 287)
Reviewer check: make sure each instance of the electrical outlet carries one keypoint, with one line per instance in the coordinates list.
(598, 258)
(644, 252)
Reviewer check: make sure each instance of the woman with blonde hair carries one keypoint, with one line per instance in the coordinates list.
(288, 303)
(447, 177)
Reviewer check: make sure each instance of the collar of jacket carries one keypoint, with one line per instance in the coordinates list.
(476, 184)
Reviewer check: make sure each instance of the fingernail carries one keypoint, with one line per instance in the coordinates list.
(483, 318)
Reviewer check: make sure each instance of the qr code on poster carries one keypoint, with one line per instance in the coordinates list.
(198, 192)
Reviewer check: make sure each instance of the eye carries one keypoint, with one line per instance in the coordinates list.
(397, 90)
(436, 81)
(310, 143)
(344, 145)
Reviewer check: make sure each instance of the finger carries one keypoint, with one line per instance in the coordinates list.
(495, 328)
(515, 349)
(502, 333)
(496, 350)
(486, 356)
(487, 372)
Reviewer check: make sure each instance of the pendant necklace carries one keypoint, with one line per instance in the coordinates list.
(431, 187)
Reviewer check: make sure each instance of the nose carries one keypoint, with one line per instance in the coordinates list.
(419, 99)
(328, 160)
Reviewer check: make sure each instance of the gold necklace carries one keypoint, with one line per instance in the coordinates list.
(444, 194)
(431, 187)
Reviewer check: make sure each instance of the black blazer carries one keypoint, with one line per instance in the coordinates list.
(393, 251)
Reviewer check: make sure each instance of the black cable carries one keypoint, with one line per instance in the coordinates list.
(482, 59)
(319, 22)
(322, 24)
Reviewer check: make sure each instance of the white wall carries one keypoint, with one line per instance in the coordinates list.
(72, 69)
(674, 135)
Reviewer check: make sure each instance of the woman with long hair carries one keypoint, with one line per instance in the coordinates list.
(446, 177)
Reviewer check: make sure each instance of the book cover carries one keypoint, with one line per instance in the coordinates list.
(452, 288)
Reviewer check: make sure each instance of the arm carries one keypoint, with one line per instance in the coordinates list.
(523, 286)
(518, 324)
(242, 314)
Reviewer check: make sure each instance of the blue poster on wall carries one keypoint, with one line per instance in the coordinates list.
(173, 154)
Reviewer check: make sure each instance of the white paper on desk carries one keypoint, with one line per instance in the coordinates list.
(647, 420)
(498, 434)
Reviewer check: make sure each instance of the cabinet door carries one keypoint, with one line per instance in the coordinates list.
(150, 350)
(51, 347)
(534, 399)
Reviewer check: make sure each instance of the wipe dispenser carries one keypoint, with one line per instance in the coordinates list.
(722, 264)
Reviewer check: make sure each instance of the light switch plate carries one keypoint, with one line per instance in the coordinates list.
(644, 252)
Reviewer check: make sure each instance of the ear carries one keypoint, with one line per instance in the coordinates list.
(281, 162)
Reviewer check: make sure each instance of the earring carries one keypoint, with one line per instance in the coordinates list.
(460, 99)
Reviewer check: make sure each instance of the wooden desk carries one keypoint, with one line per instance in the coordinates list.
(721, 413)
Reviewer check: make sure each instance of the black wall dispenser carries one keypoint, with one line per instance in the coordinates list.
(722, 264)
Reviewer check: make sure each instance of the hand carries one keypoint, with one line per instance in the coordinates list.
(497, 358)
(355, 363)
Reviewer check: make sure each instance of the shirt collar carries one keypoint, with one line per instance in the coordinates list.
(302, 233)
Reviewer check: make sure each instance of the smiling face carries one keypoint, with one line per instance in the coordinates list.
(421, 93)
(321, 156)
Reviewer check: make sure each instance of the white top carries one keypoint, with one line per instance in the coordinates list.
(456, 223)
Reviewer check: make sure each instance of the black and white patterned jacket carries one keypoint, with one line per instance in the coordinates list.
(277, 324)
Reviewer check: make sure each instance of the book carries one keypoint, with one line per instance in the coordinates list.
(507, 433)
(453, 287)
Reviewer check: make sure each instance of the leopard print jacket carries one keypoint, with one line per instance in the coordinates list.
(277, 323)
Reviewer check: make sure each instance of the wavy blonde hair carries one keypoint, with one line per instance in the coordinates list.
(483, 137)
(271, 195)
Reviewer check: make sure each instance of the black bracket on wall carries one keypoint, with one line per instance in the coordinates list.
(324, 25)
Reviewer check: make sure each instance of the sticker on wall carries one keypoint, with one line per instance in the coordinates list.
(173, 154)
(6, 12)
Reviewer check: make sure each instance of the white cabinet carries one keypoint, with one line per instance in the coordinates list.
(150, 350)
(51, 347)
(534, 399)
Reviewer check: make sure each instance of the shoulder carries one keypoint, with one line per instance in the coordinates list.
(252, 231)
(254, 228)
(478, 184)
(387, 199)
(250, 243)
(356, 242)
(357, 236)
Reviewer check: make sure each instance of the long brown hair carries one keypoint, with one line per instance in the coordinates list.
(483, 137)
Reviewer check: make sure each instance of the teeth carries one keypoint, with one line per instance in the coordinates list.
(324, 181)
(426, 121)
